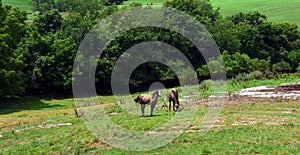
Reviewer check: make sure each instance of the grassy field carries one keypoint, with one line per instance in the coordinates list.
(256, 128)
(265, 127)
(22, 4)
(276, 10)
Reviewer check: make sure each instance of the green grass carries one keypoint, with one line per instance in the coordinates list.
(22, 4)
(276, 10)
(263, 129)
(267, 127)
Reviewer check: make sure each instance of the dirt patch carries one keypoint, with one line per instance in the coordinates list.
(46, 126)
(284, 91)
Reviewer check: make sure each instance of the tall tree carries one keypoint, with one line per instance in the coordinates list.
(50, 21)
(12, 30)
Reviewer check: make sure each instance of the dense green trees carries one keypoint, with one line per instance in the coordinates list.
(38, 57)
(42, 5)
(12, 30)
(234, 64)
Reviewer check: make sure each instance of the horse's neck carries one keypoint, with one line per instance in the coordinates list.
(155, 96)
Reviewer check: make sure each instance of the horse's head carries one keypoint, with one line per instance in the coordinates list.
(156, 94)
(159, 93)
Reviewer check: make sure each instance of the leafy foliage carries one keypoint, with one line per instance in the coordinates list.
(50, 21)
(298, 68)
(234, 64)
(281, 67)
(12, 30)
(42, 5)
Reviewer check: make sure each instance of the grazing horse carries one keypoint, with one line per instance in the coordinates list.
(144, 99)
(173, 97)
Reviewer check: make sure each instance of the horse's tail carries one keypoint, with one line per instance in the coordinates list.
(137, 98)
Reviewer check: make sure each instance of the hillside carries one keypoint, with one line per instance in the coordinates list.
(22, 4)
(276, 10)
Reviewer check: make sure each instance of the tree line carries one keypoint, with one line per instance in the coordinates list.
(37, 57)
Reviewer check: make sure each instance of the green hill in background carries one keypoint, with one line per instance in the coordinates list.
(276, 10)
(22, 4)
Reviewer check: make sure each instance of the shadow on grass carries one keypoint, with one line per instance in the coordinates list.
(30, 103)
(156, 115)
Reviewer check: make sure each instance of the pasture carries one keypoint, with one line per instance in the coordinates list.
(23, 4)
(276, 10)
(36, 126)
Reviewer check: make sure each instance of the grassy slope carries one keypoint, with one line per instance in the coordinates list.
(22, 4)
(257, 128)
(276, 10)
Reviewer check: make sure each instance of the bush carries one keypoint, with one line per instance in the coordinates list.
(260, 65)
(281, 67)
(298, 68)
(258, 75)
(205, 85)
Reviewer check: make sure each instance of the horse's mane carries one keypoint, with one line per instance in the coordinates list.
(156, 92)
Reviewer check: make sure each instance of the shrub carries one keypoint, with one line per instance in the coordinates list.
(281, 67)
(205, 85)
(249, 76)
(260, 65)
(298, 68)
(258, 75)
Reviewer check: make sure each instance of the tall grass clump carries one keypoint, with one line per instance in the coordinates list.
(205, 88)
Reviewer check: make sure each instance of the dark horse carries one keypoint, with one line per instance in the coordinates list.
(144, 99)
(173, 97)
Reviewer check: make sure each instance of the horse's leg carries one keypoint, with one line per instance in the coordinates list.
(152, 108)
(170, 105)
(143, 109)
(174, 106)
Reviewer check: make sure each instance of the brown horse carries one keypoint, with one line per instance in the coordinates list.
(173, 97)
(144, 99)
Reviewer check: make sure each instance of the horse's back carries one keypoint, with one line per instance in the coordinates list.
(145, 98)
(173, 93)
